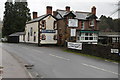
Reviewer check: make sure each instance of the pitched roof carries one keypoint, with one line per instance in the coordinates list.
(39, 18)
(82, 15)
(78, 14)
(17, 34)
(110, 34)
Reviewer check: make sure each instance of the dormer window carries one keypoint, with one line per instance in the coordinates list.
(92, 23)
(43, 24)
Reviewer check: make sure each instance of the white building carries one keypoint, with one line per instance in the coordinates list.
(43, 29)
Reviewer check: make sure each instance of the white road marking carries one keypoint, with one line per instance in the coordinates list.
(30, 74)
(99, 68)
(59, 57)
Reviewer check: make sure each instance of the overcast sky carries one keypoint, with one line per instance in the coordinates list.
(104, 7)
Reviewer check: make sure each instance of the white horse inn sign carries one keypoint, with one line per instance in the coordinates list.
(74, 45)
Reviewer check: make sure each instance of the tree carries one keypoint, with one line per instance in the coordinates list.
(109, 24)
(117, 25)
(8, 19)
(15, 17)
(22, 15)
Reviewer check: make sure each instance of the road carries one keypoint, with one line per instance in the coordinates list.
(53, 62)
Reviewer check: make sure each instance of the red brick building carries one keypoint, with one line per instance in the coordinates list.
(76, 26)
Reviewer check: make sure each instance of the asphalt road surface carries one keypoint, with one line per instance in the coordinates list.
(53, 62)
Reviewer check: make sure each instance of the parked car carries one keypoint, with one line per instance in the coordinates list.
(3, 39)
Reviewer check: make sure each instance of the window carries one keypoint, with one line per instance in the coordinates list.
(91, 38)
(88, 36)
(43, 37)
(82, 38)
(95, 38)
(43, 24)
(92, 23)
(55, 37)
(82, 25)
(23, 37)
(72, 38)
(118, 39)
(91, 34)
(28, 36)
(31, 31)
(55, 25)
(78, 38)
(82, 34)
(114, 39)
(34, 36)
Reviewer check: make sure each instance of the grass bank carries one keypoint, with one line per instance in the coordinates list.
(87, 55)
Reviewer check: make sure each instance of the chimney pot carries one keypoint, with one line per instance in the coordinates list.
(34, 15)
(54, 13)
(49, 10)
(68, 8)
(93, 10)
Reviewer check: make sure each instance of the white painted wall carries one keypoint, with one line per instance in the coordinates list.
(49, 36)
(35, 29)
(21, 38)
(49, 39)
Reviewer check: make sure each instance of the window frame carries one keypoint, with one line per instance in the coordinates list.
(55, 25)
(82, 25)
(43, 24)
(31, 31)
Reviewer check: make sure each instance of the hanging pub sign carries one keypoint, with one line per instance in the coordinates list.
(72, 23)
(74, 45)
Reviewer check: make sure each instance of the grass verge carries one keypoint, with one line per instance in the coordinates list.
(87, 55)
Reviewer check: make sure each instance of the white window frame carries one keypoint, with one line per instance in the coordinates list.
(94, 36)
(82, 25)
(92, 23)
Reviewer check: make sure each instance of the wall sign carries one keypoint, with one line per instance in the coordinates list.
(115, 51)
(73, 32)
(72, 23)
(74, 45)
(48, 31)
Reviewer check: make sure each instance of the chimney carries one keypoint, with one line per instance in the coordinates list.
(34, 15)
(49, 10)
(93, 10)
(54, 13)
(67, 8)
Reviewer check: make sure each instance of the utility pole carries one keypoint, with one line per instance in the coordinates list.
(119, 9)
